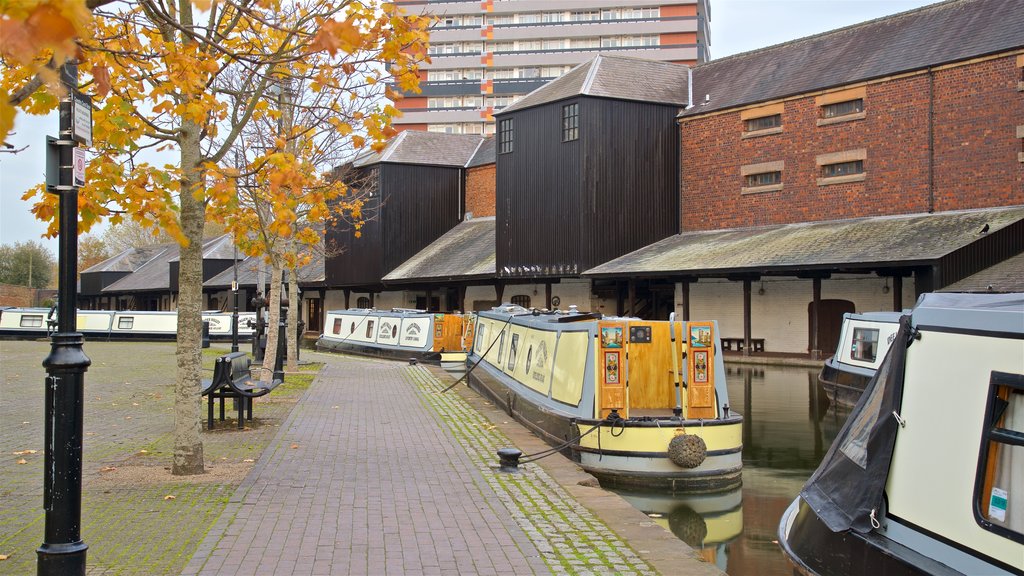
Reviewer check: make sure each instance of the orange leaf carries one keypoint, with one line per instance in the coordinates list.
(102, 77)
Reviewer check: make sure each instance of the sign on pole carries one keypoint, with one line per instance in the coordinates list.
(81, 126)
(78, 167)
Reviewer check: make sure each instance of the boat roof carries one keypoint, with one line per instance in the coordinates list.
(971, 312)
(885, 317)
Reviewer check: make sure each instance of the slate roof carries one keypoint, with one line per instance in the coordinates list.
(1007, 276)
(913, 40)
(310, 274)
(430, 148)
(155, 275)
(614, 76)
(861, 243)
(465, 252)
(128, 260)
(484, 154)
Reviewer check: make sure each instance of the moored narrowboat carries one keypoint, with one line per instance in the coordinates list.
(637, 403)
(397, 333)
(864, 340)
(927, 474)
(31, 323)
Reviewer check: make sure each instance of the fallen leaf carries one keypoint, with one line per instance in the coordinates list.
(335, 407)
(248, 460)
(143, 451)
(127, 417)
(4, 557)
(22, 461)
(135, 403)
(108, 469)
(295, 446)
(23, 452)
(24, 422)
(223, 457)
(90, 433)
(169, 497)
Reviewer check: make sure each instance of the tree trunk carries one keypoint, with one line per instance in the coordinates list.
(275, 315)
(292, 331)
(188, 446)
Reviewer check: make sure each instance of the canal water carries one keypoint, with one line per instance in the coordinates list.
(788, 426)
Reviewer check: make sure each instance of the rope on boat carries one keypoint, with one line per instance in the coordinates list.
(545, 453)
(486, 352)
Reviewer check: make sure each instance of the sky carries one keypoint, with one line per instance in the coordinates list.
(736, 26)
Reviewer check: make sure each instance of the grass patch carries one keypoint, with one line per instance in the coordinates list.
(304, 380)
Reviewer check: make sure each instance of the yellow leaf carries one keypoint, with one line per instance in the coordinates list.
(23, 452)
(22, 461)
(169, 497)
(4, 557)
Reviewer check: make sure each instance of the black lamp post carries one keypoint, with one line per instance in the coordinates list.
(234, 313)
(63, 551)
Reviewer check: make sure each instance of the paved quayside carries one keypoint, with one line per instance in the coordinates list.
(374, 472)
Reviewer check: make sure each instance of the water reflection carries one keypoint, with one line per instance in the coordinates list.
(788, 426)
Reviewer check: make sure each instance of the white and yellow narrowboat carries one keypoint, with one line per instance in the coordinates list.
(397, 333)
(637, 403)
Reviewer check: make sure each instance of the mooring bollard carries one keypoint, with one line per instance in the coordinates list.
(508, 460)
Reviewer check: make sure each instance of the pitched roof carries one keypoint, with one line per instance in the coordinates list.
(465, 252)
(614, 76)
(128, 260)
(913, 40)
(484, 154)
(861, 243)
(430, 148)
(155, 274)
(1007, 276)
(310, 274)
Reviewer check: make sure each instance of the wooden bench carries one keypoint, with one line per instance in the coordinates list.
(232, 379)
(756, 344)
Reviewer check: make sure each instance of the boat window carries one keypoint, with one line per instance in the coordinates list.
(501, 347)
(337, 326)
(865, 344)
(125, 322)
(1001, 463)
(529, 357)
(369, 329)
(512, 352)
(480, 339)
(31, 321)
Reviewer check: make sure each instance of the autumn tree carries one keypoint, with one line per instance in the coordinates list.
(155, 68)
(91, 251)
(26, 264)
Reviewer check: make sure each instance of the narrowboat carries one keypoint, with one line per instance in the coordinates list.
(927, 474)
(864, 340)
(118, 325)
(636, 403)
(398, 333)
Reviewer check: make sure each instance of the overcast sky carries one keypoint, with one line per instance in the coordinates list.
(736, 26)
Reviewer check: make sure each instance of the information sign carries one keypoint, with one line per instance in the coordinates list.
(81, 126)
(78, 167)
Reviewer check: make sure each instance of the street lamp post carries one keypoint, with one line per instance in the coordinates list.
(234, 313)
(63, 551)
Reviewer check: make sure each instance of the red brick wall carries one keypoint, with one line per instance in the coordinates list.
(21, 296)
(480, 190)
(977, 108)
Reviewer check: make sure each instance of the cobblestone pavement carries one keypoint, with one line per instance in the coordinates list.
(127, 523)
(376, 473)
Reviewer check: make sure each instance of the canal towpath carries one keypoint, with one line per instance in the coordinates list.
(364, 469)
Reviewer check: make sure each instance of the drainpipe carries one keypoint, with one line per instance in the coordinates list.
(931, 141)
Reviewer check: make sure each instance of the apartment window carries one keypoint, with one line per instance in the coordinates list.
(505, 135)
(842, 108)
(570, 122)
(529, 18)
(585, 16)
(763, 123)
(842, 169)
(763, 179)
(1002, 446)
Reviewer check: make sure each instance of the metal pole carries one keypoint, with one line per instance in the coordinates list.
(63, 551)
(234, 313)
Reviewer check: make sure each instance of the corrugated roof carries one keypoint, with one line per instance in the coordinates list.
(431, 148)
(128, 260)
(1007, 276)
(311, 273)
(913, 40)
(857, 243)
(614, 76)
(465, 252)
(484, 154)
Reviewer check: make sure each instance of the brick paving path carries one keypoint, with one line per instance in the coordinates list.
(375, 473)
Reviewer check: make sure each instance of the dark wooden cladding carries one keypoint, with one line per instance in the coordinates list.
(564, 207)
(413, 205)
(93, 283)
(991, 249)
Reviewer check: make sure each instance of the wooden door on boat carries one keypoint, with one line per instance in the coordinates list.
(651, 387)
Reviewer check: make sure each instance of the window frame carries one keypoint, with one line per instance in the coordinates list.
(831, 167)
(749, 125)
(506, 136)
(518, 298)
(571, 122)
(991, 433)
(750, 180)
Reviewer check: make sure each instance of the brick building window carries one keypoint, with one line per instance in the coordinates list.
(521, 300)
(842, 108)
(363, 302)
(1020, 68)
(842, 167)
(763, 123)
(505, 136)
(763, 177)
(1020, 136)
(570, 122)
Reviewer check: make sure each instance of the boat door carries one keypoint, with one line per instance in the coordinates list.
(611, 371)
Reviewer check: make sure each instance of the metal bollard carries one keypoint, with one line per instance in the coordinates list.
(508, 460)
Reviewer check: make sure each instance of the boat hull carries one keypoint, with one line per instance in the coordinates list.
(373, 351)
(843, 387)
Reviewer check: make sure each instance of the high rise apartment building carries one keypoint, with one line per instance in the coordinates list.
(486, 54)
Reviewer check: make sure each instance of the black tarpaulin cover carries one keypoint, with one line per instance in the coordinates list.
(848, 484)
